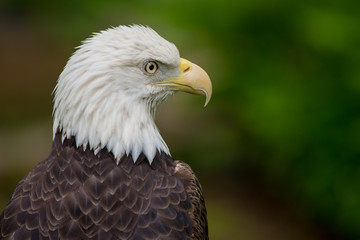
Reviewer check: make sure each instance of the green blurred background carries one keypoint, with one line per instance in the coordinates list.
(277, 149)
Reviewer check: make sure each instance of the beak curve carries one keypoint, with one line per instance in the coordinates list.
(193, 79)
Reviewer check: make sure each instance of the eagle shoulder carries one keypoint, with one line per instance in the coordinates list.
(198, 210)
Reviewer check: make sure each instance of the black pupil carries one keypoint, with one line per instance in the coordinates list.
(151, 66)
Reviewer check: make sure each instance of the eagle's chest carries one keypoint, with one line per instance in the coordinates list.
(75, 194)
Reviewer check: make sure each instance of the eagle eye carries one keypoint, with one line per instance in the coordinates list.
(151, 67)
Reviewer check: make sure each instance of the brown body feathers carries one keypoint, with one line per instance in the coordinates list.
(74, 194)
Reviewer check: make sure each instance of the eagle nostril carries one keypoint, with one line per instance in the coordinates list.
(187, 69)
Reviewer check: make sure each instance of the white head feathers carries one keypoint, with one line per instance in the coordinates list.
(104, 97)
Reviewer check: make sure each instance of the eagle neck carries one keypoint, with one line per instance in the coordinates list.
(121, 128)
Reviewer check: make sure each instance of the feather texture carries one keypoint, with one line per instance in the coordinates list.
(75, 194)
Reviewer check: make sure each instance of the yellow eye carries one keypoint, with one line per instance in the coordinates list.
(151, 67)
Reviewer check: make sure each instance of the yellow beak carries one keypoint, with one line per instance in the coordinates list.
(193, 79)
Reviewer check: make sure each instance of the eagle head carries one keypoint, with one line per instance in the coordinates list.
(109, 90)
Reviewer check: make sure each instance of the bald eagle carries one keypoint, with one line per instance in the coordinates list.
(110, 174)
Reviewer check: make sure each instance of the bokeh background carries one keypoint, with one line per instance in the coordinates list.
(277, 149)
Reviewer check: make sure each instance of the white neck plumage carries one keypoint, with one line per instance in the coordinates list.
(116, 127)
